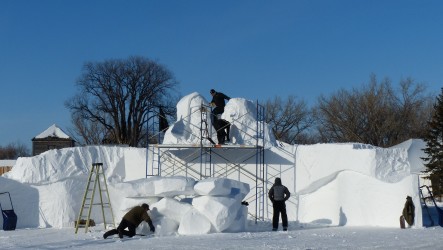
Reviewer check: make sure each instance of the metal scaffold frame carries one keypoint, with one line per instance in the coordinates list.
(204, 160)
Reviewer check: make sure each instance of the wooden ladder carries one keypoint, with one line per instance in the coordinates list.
(98, 179)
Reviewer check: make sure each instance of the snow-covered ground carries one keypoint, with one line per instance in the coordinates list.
(346, 196)
(258, 237)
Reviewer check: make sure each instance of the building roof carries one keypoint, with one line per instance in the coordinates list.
(53, 131)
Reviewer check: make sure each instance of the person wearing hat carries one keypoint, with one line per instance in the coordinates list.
(220, 125)
(131, 220)
(279, 194)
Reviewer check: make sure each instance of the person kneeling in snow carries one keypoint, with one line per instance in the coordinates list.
(278, 194)
(131, 220)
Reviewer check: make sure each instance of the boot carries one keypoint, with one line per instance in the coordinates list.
(109, 233)
(105, 235)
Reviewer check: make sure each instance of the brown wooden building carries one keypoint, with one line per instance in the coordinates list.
(51, 138)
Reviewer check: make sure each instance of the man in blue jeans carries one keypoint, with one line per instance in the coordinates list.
(279, 194)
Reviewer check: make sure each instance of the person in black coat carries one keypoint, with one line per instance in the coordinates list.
(220, 125)
(218, 102)
(409, 211)
(131, 220)
(279, 194)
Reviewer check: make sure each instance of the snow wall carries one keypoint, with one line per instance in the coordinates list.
(346, 184)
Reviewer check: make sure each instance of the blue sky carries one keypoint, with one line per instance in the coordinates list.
(251, 49)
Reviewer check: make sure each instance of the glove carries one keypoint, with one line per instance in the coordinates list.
(152, 228)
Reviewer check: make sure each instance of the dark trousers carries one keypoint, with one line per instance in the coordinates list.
(221, 127)
(279, 208)
(121, 228)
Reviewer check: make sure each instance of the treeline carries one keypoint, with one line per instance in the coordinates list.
(12, 151)
(377, 113)
(116, 98)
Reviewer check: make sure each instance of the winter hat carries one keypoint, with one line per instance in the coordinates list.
(212, 91)
(277, 181)
(145, 206)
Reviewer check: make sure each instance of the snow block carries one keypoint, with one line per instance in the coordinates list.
(163, 226)
(129, 202)
(158, 186)
(173, 186)
(136, 188)
(194, 223)
(171, 208)
(221, 211)
(240, 221)
(222, 187)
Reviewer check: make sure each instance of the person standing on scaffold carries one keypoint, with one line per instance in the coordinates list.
(218, 102)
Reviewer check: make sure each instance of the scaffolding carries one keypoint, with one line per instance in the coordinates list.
(206, 159)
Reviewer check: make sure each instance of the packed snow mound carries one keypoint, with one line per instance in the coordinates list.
(45, 196)
(58, 164)
(241, 113)
(318, 161)
(345, 176)
(350, 202)
(346, 179)
(415, 154)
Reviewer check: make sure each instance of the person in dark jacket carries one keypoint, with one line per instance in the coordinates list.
(279, 194)
(409, 211)
(218, 102)
(131, 220)
(220, 125)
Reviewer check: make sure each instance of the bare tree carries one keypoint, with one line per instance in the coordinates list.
(13, 150)
(375, 114)
(117, 97)
(86, 132)
(290, 119)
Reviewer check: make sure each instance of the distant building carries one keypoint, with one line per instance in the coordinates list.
(51, 138)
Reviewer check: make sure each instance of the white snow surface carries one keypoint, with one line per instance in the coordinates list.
(258, 236)
(346, 196)
(53, 131)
